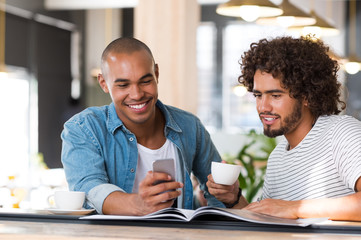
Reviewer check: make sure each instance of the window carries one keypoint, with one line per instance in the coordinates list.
(209, 97)
(18, 131)
(224, 110)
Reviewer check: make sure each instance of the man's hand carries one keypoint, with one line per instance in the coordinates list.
(150, 197)
(224, 193)
(345, 208)
(275, 207)
(153, 196)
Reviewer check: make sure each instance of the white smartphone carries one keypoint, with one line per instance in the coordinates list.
(165, 166)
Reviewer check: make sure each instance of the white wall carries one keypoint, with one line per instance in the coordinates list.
(227, 143)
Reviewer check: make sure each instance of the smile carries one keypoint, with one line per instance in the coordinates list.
(268, 119)
(137, 106)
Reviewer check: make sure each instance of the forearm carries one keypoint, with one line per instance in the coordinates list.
(150, 197)
(120, 203)
(344, 208)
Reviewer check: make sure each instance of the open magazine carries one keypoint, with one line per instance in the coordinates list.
(185, 215)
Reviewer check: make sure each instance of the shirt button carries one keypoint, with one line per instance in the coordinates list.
(132, 170)
(131, 139)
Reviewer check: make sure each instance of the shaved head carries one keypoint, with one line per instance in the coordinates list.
(126, 45)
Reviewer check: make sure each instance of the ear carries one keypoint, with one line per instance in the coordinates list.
(103, 83)
(156, 71)
(305, 102)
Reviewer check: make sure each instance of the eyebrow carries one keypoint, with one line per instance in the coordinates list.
(269, 91)
(127, 80)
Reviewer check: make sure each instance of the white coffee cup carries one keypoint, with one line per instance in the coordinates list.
(68, 200)
(224, 173)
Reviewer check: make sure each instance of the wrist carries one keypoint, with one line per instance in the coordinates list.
(230, 205)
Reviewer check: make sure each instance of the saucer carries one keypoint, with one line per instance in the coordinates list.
(82, 211)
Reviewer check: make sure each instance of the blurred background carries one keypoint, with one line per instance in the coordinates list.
(50, 53)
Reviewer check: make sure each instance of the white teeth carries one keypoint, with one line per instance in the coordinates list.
(139, 106)
(269, 119)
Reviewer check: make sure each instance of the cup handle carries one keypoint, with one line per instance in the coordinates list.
(51, 201)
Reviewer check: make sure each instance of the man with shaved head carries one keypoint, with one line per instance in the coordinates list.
(108, 151)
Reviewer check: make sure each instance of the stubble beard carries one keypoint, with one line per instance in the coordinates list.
(290, 122)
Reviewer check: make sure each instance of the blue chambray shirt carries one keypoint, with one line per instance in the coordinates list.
(100, 154)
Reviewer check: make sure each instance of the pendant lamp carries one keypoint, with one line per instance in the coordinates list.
(320, 28)
(292, 16)
(249, 10)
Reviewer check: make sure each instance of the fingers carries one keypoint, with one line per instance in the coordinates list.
(156, 191)
(253, 206)
(151, 204)
(152, 178)
(159, 198)
(275, 207)
(260, 207)
(156, 178)
(218, 187)
(223, 193)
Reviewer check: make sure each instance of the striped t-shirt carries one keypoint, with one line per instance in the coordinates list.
(325, 164)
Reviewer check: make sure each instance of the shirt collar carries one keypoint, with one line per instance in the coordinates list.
(113, 121)
(169, 120)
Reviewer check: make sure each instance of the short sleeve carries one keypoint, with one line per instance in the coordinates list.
(346, 139)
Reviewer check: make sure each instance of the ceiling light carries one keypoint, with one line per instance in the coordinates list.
(103, 4)
(292, 16)
(320, 28)
(249, 10)
(239, 90)
(353, 66)
(88, 4)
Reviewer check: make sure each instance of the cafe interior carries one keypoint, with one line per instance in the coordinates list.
(50, 56)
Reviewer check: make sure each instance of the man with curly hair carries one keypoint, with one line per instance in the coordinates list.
(315, 170)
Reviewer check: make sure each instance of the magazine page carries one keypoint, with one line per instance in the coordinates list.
(249, 216)
(185, 215)
(169, 214)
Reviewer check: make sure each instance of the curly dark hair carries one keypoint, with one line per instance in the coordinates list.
(303, 67)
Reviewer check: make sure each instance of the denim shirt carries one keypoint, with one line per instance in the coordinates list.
(100, 154)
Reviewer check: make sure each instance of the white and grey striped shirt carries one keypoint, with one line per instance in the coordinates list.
(325, 164)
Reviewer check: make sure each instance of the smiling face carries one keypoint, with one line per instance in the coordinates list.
(280, 113)
(131, 80)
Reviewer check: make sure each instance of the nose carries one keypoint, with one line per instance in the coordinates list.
(264, 104)
(135, 92)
